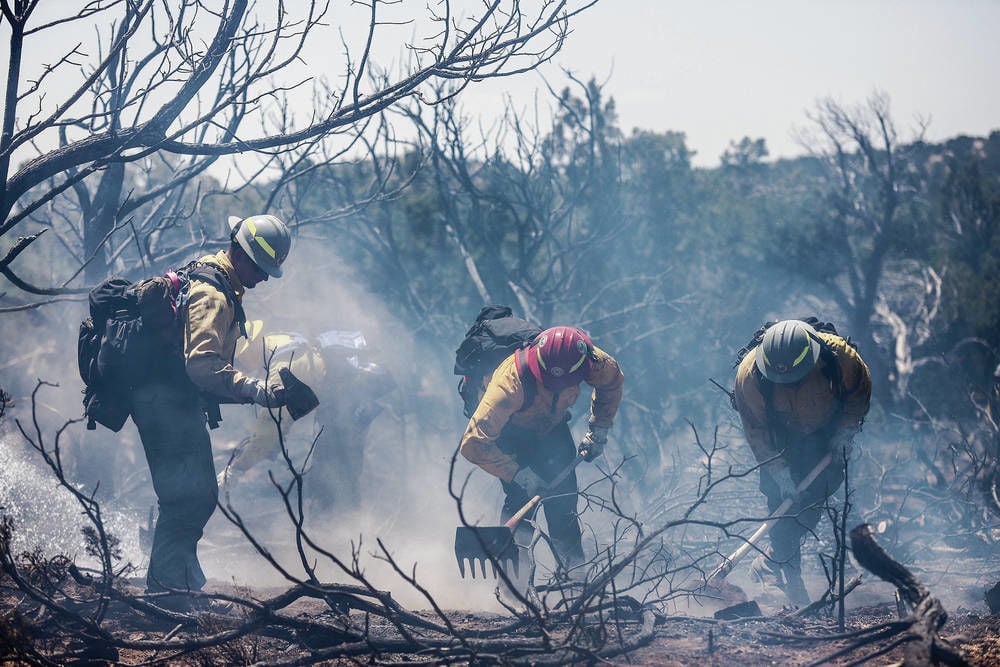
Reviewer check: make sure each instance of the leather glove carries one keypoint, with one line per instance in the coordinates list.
(298, 397)
(527, 479)
(783, 478)
(272, 396)
(593, 443)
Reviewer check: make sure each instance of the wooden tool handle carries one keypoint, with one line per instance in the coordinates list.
(727, 565)
(516, 519)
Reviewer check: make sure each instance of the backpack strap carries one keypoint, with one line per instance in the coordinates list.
(528, 380)
(831, 371)
(175, 288)
(217, 277)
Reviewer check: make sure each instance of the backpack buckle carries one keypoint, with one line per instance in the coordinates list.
(175, 288)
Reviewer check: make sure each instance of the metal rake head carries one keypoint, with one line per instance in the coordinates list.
(493, 545)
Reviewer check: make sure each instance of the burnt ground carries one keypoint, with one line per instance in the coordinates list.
(955, 571)
(766, 641)
(775, 639)
(680, 632)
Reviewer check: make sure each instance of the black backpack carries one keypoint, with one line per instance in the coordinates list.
(494, 336)
(127, 340)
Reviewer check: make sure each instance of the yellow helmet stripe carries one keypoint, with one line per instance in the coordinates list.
(802, 356)
(260, 240)
(578, 364)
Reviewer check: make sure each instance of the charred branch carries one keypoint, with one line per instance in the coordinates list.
(927, 615)
(197, 98)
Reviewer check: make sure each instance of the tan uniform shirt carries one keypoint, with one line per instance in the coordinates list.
(211, 332)
(504, 399)
(805, 407)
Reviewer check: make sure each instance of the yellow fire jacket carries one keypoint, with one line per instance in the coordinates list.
(806, 407)
(211, 331)
(278, 350)
(503, 402)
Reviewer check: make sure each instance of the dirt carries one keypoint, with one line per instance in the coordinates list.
(767, 641)
(776, 639)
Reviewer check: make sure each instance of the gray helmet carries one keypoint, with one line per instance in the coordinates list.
(788, 352)
(265, 239)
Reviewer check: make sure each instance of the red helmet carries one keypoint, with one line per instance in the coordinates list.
(560, 357)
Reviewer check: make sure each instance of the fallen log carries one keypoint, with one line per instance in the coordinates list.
(924, 646)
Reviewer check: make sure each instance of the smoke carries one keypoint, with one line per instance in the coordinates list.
(40, 372)
(403, 498)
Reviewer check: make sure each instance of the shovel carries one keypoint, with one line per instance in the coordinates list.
(495, 544)
(716, 579)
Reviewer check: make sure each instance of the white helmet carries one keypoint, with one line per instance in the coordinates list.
(264, 238)
(788, 352)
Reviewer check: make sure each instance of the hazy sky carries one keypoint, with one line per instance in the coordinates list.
(721, 70)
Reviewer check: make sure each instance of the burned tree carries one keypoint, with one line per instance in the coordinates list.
(869, 217)
(538, 213)
(167, 89)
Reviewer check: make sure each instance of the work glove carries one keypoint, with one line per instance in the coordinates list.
(527, 479)
(783, 478)
(299, 398)
(593, 443)
(259, 392)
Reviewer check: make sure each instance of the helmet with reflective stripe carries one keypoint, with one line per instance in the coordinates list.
(265, 239)
(560, 357)
(788, 352)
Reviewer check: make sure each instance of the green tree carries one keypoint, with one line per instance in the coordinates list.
(970, 250)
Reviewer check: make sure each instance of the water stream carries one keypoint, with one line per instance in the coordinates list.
(48, 516)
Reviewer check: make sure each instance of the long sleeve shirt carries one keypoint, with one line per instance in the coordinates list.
(503, 403)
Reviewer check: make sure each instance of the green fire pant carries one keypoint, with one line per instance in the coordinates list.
(804, 515)
(178, 450)
(547, 455)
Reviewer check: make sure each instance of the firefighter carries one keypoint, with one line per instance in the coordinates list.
(348, 387)
(520, 430)
(801, 394)
(169, 408)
